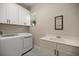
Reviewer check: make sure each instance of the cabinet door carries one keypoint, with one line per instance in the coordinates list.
(48, 48)
(67, 50)
(21, 20)
(66, 53)
(24, 16)
(27, 44)
(3, 13)
(47, 51)
(12, 13)
(28, 21)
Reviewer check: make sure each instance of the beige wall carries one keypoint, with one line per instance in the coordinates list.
(45, 14)
(13, 28)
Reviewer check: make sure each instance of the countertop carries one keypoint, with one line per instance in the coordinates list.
(16, 36)
(72, 41)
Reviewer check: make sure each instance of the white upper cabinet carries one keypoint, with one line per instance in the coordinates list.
(3, 13)
(28, 21)
(21, 22)
(24, 16)
(12, 13)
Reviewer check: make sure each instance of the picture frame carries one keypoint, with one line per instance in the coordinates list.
(59, 22)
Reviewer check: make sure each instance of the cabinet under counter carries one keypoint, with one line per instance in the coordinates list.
(66, 46)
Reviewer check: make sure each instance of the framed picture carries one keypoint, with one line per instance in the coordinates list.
(59, 22)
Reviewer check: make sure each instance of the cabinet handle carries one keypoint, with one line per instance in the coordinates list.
(55, 51)
(24, 23)
(7, 21)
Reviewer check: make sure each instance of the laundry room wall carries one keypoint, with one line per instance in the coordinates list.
(45, 14)
(5, 28)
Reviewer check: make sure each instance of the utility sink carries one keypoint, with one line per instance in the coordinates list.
(54, 37)
(58, 37)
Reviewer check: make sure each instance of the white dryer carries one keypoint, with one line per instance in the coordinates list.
(27, 42)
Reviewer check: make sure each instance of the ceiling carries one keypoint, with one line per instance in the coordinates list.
(27, 5)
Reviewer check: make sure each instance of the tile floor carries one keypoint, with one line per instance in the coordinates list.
(34, 52)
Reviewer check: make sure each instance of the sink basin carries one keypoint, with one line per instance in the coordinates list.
(53, 36)
(58, 37)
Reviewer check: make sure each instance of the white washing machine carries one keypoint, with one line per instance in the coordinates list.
(15, 45)
(10, 46)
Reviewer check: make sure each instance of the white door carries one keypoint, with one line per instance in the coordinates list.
(3, 13)
(12, 13)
